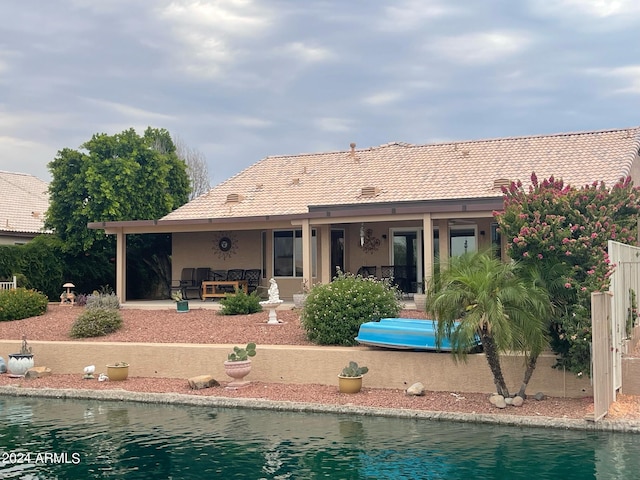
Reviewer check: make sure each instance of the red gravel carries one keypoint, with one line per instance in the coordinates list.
(207, 326)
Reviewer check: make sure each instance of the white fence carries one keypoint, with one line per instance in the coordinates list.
(9, 285)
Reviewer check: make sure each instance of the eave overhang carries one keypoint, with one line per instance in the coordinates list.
(316, 212)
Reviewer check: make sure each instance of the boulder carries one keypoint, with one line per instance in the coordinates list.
(497, 401)
(203, 381)
(37, 372)
(517, 401)
(417, 389)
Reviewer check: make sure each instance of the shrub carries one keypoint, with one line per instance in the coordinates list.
(240, 304)
(103, 300)
(333, 313)
(19, 303)
(96, 322)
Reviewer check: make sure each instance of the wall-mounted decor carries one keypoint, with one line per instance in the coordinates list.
(225, 245)
(368, 242)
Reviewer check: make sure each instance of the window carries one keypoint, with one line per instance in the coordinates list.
(287, 253)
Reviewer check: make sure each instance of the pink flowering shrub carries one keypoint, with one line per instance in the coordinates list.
(553, 223)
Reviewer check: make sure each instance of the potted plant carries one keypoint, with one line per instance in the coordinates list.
(19, 363)
(350, 380)
(181, 304)
(118, 371)
(238, 365)
(300, 297)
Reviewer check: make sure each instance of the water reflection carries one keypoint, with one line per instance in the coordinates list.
(131, 441)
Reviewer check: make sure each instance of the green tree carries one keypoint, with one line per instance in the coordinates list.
(551, 223)
(478, 296)
(116, 177)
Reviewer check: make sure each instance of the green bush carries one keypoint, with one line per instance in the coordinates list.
(96, 322)
(333, 313)
(103, 300)
(21, 303)
(240, 304)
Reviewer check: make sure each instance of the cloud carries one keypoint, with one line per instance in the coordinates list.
(333, 124)
(129, 111)
(479, 48)
(308, 53)
(628, 75)
(210, 35)
(383, 98)
(413, 14)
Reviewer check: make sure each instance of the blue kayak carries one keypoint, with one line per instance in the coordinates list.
(402, 333)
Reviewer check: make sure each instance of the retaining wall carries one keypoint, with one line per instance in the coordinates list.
(306, 365)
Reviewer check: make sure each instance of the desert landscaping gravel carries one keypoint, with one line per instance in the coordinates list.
(207, 326)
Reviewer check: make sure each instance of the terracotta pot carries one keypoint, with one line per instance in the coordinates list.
(237, 370)
(117, 373)
(349, 384)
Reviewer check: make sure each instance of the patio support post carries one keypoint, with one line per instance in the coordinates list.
(324, 231)
(427, 241)
(443, 229)
(121, 265)
(307, 273)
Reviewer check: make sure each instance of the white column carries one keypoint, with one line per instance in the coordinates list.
(121, 265)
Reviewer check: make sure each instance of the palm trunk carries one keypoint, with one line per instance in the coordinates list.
(493, 358)
(531, 366)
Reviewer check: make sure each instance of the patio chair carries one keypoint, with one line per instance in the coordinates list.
(187, 277)
(217, 275)
(368, 271)
(232, 275)
(252, 276)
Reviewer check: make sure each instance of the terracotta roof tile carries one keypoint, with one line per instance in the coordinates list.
(24, 200)
(289, 184)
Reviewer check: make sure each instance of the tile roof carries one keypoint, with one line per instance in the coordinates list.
(397, 172)
(24, 200)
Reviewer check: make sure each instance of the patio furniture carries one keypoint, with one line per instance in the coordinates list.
(218, 275)
(368, 271)
(186, 280)
(252, 276)
(221, 288)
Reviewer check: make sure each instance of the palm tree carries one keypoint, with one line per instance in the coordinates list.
(478, 296)
(548, 279)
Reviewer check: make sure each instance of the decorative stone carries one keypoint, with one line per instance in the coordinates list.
(3, 366)
(497, 401)
(539, 396)
(508, 401)
(416, 389)
(203, 381)
(517, 401)
(38, 372)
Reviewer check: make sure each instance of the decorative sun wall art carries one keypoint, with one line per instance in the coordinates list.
(225, 245)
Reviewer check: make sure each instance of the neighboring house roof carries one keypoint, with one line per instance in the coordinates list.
(398, 172)
(24, 200)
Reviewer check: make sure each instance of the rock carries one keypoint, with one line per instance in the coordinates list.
(517, 401)
(3, 366)
(539, 396)
(416, 389)
(203, 381)
(508, 400)
(497, 401)
(38, 372)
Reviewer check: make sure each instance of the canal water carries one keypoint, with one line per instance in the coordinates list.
(83, 439)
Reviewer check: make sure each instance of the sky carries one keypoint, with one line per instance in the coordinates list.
(240, 80)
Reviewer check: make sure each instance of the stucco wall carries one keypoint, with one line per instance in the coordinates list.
(305, 365)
